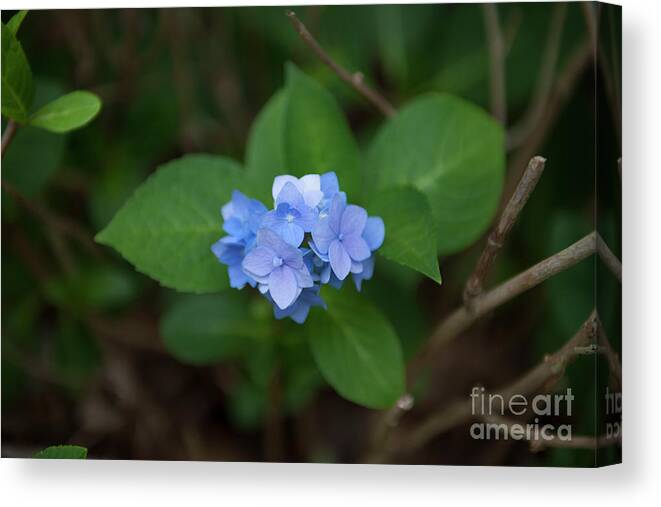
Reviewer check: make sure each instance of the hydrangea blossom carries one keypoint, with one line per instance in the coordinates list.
(311, 237)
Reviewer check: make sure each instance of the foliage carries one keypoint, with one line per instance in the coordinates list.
(62, 452)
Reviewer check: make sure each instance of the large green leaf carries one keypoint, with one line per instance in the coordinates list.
(62, 452)
(301, 130)
(265, 158)
(451, 151)
(17, 84)
(69, 112)
(167, 227)
(410, 232)
(206, 329)
(317, 137)
(357, 350)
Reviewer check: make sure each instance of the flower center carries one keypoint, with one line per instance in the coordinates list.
(340, 236)
(277, 262)
(289, 218)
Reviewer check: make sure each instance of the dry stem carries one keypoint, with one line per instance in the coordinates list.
(355, 80)
(500, 232)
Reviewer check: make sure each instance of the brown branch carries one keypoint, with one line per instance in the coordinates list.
(609, 258)
(496, 47)
(462, 318)
(519, 132)
(8, 135)
(541, 377)
(386, 423)
(355, 80)
(500, 232)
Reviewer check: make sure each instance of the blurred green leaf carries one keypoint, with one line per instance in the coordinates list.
(410, 232)
(317, 137)
(207, 329)
(451, 151)
(62, 452)
(66, 113)
(17, 84)
(16, 20)
(92, 288)
(77, 355)
(357, 350)
(167, 227)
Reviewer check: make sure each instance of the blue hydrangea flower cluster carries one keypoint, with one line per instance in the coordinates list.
(310, 238)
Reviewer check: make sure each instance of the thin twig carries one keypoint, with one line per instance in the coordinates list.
(500, 232)
(388, 421)
(462, 318)
(541, 377)
(609, 258)
(519, 132)
(8, 135)
(355, 80)
(496, 47)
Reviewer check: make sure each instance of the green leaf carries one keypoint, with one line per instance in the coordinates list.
(62, 452)
(301, 130)
(16, 20)
(357, 350)
(317, 137)
(410, 231)
(451, 151)
(265, 157)
(66, 113)
(17, 85)
(167, 227)
(207, 329)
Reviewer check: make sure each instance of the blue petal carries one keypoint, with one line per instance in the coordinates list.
(368, 272)
(356, 247)
(353, 220)
(317, 252)
(337, 205)
(288, 253)
(329, 184)
(290, 195)
(374, 233)
(259, 262)
(282, 286)
(308, 218)
(339, 259)
(238, 278)
(323, 235)
(228, 250)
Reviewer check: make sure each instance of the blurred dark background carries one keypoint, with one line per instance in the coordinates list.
(82, 359)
